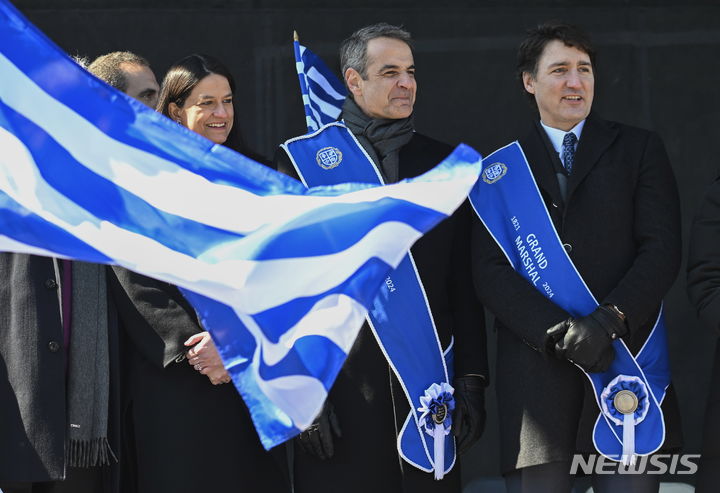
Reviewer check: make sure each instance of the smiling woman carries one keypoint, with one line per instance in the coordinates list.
(197, 93)
(185, 430)
(208, 109)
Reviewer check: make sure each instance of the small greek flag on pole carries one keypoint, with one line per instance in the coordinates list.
(323, 93)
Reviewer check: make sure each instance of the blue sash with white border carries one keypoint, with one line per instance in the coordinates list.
(508, 202)
(333, 155)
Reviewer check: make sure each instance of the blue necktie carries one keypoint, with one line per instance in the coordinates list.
(568, 151)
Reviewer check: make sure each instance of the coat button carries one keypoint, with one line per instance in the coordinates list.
(54, 346)
(567, 247)
(50, 284)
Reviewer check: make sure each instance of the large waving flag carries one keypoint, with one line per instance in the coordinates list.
(280, 275)
(322, 92)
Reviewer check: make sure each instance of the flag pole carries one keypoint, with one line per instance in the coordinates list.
(300, 67)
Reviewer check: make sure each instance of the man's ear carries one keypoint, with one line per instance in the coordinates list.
(528, 82)
(353, 80)
(174, 112)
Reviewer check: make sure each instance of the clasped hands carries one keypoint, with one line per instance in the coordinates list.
(587, 341)
(204, 357)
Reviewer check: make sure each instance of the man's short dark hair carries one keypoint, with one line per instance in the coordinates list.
(532, 47)
(353, 51)
(107, 67)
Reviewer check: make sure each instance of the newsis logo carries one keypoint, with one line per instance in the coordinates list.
(653, 464)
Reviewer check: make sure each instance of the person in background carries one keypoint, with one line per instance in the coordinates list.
(59, 369)
(186, 429)
(703, 287)
(128, 73)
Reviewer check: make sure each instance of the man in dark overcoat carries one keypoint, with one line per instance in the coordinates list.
(58, 351)
(352, 445)
(612, 198)
(703, 286)
(59, 360)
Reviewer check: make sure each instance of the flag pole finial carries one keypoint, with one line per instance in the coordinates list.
(295, 36)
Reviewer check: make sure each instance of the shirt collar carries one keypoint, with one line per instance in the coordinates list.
(556, 136)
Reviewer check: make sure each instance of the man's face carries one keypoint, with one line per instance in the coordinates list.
(141, 83)
(563, 86)
(389, 90)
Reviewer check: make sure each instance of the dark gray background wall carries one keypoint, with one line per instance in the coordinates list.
(658, 68)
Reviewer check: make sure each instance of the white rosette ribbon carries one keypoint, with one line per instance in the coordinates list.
(438, 404)
(628, 418)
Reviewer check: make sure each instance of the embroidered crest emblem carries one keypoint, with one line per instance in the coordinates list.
(328, 157)
(494, 172)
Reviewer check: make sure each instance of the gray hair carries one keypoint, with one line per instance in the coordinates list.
(81, 60)
(353, 51)
(107, 67)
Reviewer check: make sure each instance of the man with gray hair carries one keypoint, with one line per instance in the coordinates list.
(128, 73)
(369, 437)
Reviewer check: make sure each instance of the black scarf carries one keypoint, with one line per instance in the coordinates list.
(381, 138)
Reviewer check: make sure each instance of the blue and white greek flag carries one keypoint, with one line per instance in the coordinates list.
(322, 92)
(281, 276)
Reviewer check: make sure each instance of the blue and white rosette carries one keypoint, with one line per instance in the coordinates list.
(438, 404)
(625, 403)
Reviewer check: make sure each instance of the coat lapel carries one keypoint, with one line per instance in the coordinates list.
(597, 136)
(540, 160)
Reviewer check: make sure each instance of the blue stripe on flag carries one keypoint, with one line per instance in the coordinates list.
(313, 355)
(310, 60)
(276, 321)
(26, 227)
(308, 235)
(231, 336)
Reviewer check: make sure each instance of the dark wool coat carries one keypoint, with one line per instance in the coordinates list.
(370, 404)
(620, 223)
(182, 434)
(33, 419)
(703, 285)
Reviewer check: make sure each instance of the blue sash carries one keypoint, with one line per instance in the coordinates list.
(507, 200)
(400, 318)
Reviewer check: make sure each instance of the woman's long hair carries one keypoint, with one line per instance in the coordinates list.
(181, 79)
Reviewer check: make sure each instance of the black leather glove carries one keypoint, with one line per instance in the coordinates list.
(588, 341)
(317, 440)
(555, 334)
(469, 418)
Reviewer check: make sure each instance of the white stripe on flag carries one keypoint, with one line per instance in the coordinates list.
(296, 395)
(324, 318)
(316, 115)
(327, 108)
(322, 81)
